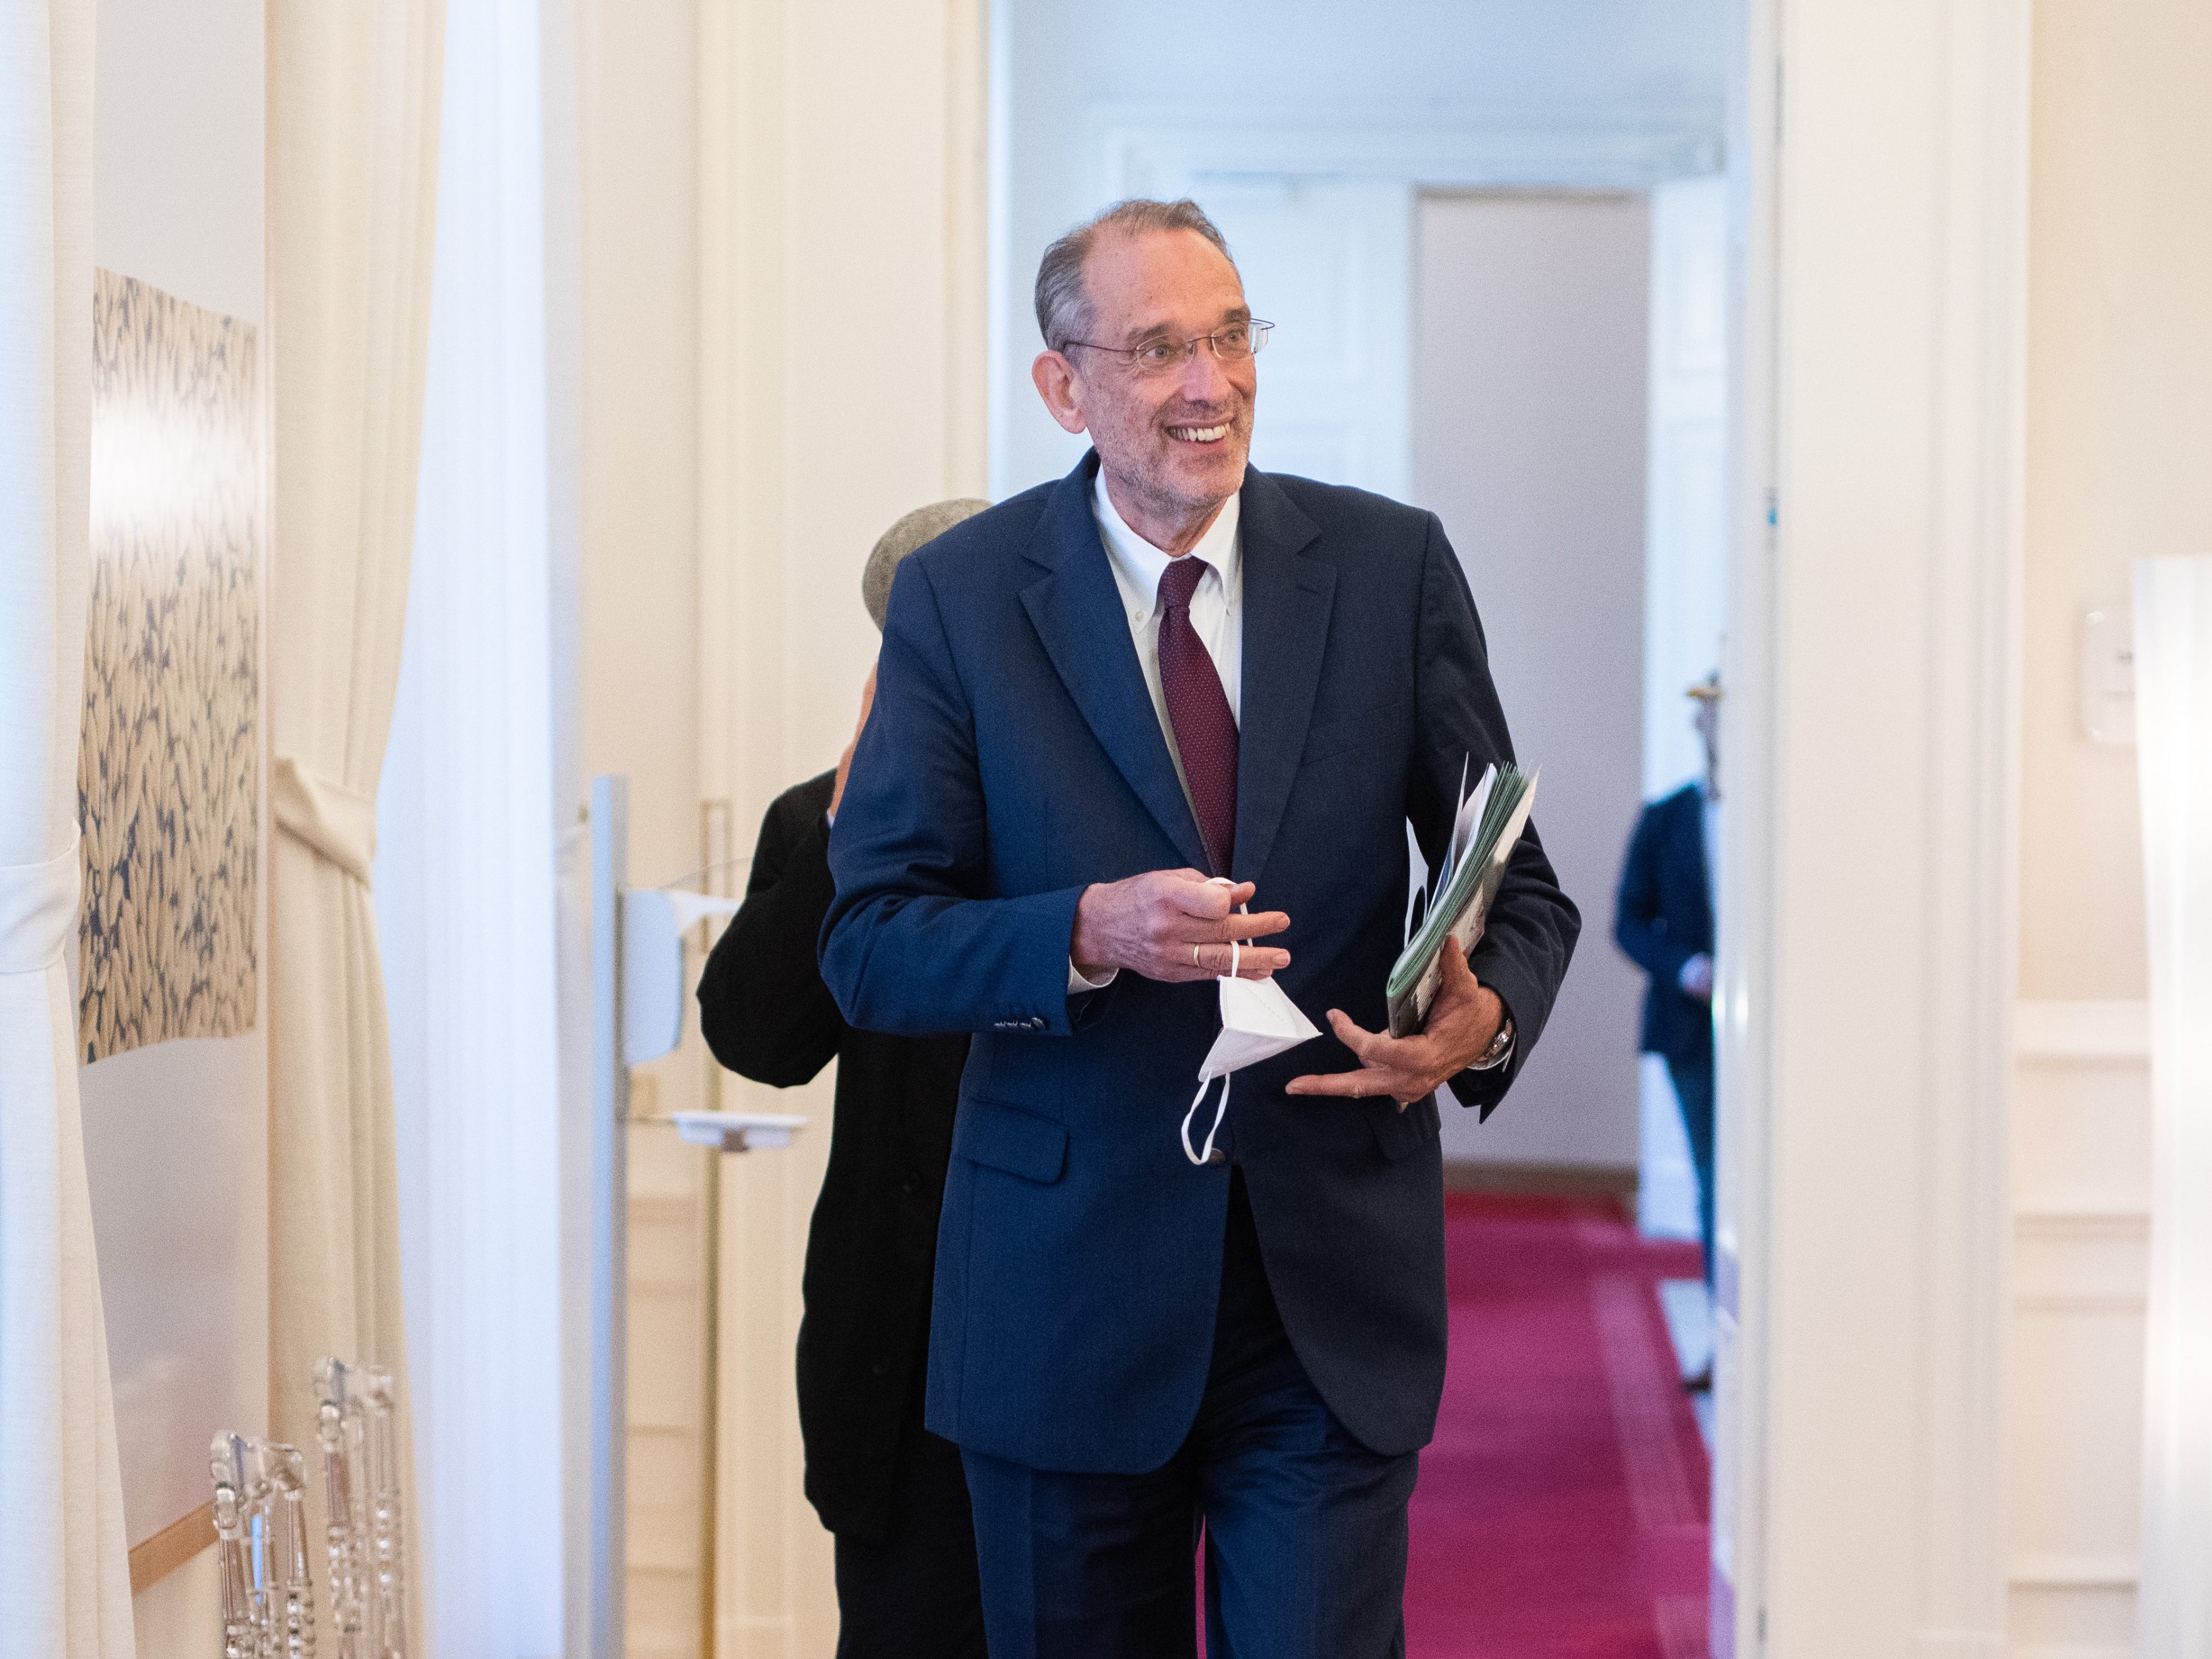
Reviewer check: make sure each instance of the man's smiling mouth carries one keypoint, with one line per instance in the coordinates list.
(1198, 435)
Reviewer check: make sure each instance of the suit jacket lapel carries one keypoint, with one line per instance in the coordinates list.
(1287, 602)
(1076, 610)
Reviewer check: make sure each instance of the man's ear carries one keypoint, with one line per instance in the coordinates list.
(1057, 385)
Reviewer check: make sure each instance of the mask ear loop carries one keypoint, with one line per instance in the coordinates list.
(1204, 1155)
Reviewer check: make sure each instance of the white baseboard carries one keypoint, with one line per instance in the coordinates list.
(2074, 1571)
(2082, 1031)
(1959, 1645)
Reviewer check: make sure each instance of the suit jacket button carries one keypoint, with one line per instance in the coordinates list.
(881, 1367)
(1037, 1021)
(912, 1185)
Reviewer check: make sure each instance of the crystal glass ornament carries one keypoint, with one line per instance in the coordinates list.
(358, 1425)
(261, 1550)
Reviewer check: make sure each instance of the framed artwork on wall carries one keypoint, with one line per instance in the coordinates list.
(172, 932)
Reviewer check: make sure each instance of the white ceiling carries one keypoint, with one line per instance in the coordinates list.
(1499, 61)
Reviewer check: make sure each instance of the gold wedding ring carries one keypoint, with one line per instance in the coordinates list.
(1193, 957)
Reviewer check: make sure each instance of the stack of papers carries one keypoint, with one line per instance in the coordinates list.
(1456, 902)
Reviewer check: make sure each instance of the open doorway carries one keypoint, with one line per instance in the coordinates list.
(1472, 228)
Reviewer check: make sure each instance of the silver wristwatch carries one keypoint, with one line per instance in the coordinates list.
(1500, 1046)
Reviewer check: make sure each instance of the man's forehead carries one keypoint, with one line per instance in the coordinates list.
(1163, 280)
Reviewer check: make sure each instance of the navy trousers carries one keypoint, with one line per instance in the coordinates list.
(1693, 1090)
(1304, 1528)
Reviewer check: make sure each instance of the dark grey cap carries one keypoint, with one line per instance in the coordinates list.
(924, 524)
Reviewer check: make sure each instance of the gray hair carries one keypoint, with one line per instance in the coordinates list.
(909, 535)
(1064, 310)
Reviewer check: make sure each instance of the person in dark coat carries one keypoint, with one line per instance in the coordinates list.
(1664, 920)
(892, 1493)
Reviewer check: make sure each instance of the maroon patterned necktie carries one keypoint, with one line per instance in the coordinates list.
(1198, 710)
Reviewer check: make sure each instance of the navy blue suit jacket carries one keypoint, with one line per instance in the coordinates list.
(1664, 916)
(1013, 758)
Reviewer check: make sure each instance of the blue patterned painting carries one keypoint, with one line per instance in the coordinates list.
(168, 773)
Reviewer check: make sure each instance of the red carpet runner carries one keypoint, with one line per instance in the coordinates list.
(1561, 1512)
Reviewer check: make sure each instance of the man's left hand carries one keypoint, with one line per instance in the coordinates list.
(1462, 1021)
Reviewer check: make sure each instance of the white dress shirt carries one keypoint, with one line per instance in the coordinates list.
(1217, 604)
(1217, 612)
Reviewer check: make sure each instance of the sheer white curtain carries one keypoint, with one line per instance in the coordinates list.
(464, 880)
(2173, 735)
(64, 1565)
(353, 146)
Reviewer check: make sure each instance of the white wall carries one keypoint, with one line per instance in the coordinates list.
(178, 203)
(1531, 323)
(178, 135)
(1073, 77)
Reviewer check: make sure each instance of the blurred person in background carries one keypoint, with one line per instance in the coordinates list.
(1663, 919)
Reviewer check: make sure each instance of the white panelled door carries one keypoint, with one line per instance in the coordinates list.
(1685, 577)
(1686, 524)
(1329, 263)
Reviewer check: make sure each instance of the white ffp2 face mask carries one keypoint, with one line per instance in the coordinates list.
(1258, 1022)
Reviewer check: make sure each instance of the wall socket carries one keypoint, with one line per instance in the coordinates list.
(2108, 676)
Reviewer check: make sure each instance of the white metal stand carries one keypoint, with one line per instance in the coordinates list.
(606, 1489)
(628, 943)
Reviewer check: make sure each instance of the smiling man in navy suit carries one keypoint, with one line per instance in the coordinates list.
(1120, 713)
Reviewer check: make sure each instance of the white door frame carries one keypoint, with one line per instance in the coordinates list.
(1867, 994)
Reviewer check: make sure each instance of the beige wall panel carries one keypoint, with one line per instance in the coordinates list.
(2080, 1139)
(2073, 1621)
(2119, 421)
(841, 375)
(638, 483)
(2074, 1359)
(2081, 1152)
(2118, 418)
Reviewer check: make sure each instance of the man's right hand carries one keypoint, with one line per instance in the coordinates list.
(1173, 925)
(1697, 978)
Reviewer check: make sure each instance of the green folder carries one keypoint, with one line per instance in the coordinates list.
(1456, 902)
